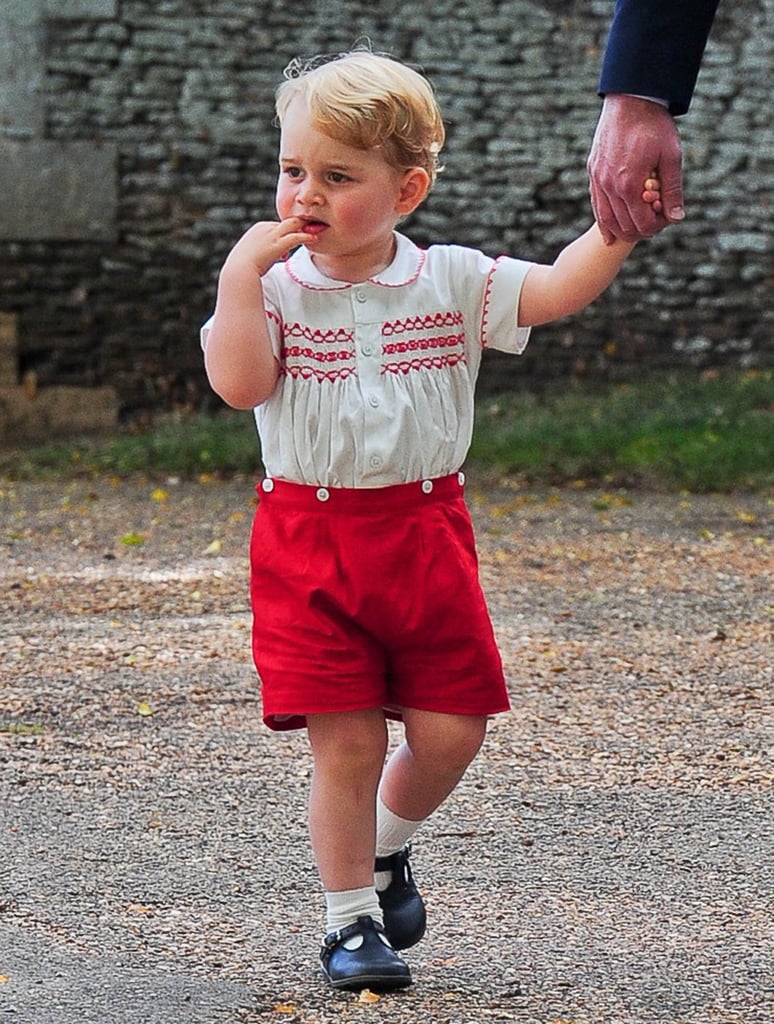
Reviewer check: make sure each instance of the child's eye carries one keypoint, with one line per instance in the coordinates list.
(293, 172)
(337, 177)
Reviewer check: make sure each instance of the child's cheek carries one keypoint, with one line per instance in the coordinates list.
(283, 203)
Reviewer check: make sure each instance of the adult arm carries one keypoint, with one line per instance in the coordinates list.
(654, 50)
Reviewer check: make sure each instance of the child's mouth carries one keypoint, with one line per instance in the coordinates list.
(314, 227)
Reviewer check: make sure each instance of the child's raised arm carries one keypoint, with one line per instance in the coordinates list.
(581, 272)
(577, 276)
(241, 366)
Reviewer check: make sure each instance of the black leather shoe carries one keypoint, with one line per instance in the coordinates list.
(372, 963)
(405, 919)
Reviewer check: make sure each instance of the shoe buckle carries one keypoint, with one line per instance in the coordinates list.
(332, 940)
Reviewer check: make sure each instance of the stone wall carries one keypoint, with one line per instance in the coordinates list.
(137, 144)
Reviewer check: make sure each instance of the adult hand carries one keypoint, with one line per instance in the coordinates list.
(633, 139)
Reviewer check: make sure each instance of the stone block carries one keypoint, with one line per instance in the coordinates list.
(57, 190)
(55, 413)
(96, 9)
(21, 80)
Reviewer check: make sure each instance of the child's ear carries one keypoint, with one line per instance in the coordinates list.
(413, 189)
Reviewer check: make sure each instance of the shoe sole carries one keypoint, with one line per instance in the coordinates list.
(376, 982)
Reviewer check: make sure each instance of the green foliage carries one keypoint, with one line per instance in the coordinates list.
(694, 434)
(222, 445)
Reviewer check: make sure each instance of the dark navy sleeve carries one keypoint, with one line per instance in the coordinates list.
(655, 49)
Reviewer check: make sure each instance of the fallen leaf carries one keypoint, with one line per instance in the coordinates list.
(214, 548)
(3, 979)
(132, 538)
(367, 996)
(284, 1008)
(144, 709)
(159, 494)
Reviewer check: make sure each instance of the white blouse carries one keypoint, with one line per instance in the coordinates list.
(377, 379)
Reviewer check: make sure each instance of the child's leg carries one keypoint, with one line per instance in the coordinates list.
(349, 750)
(419, 776)
(427, 766)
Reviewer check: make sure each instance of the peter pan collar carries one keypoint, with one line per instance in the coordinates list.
(404, 268)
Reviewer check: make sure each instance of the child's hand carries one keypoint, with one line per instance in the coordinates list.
(652, 192)
(266, 242)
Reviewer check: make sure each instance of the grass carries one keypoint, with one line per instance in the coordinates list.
(700, 435)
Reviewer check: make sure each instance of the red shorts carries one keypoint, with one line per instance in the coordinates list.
(370, 598)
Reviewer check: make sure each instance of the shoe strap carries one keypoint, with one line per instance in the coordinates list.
(394, 861)
(365, 923)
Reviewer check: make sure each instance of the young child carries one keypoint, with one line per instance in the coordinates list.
(359, 354)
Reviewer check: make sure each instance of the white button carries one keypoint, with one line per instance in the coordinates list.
(376, 461)
(361, 296)
(427, 486)
(323, 494)
(268, 485)
(461, 479)
(373, 400)
(367, 350)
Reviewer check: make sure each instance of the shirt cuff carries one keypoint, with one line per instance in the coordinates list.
(501, 306)
(651, 99)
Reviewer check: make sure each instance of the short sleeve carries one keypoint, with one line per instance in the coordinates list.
(499, 328)
(272, 319)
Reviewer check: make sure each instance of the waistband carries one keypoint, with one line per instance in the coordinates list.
(360, 500)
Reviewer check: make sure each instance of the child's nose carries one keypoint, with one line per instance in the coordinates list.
(308, 192)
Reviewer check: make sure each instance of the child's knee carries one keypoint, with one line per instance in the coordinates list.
(351, 741)
(450, 741)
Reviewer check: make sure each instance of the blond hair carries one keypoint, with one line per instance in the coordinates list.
(369, 101)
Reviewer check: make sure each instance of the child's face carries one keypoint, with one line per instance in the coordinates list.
(349, 199)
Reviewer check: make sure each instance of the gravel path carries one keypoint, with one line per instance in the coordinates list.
(607, 860)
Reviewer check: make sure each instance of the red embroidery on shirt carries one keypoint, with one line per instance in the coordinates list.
(312, 372)
(444, 341)
(332, 334)
(331, 356)
(303, 362)
(487, 300)
(426, 363)
(340, 286)
(451, 318)
(423, 333)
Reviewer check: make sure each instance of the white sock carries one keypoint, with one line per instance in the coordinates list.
(346, 906)
(392, 834)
